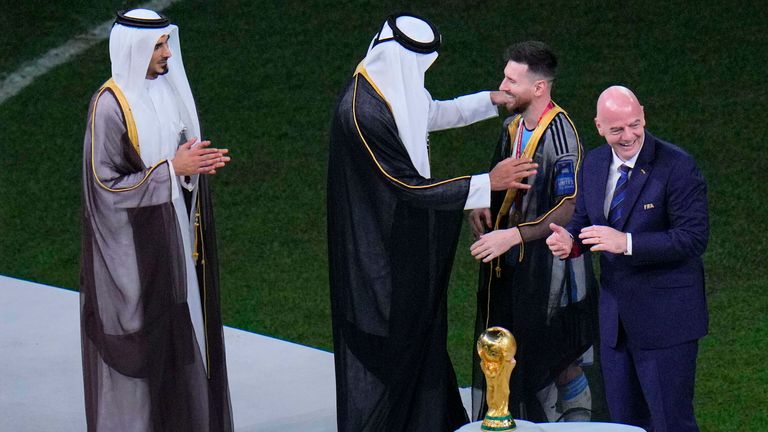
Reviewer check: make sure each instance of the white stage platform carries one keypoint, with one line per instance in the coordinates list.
(274, 385)
(41, 382)
(524, 426)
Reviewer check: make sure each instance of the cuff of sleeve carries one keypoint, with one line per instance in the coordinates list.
(575, 248)
(575, 251)
(629, 244)
(479, 192)
(174, 182)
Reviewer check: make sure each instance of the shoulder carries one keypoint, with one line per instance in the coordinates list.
(562, 134)
(669, 150)
(106, 113)
(563, 125)
(354, 102)
(509, 120)
(365, 99)
(672, 155)
(565, 119)
(362, 113)
(105, 103)
(600, 153)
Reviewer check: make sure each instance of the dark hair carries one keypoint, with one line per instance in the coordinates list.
(537, 55)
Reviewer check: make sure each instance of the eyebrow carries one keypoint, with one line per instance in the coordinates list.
(165, 41)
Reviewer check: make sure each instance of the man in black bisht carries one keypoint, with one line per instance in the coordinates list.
(152, 340)
(392, 234)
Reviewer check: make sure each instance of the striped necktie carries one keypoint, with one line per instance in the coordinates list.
(615, 213)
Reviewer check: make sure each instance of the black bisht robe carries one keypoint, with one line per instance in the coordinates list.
(392, 235)
(142, 367)
(549, 338)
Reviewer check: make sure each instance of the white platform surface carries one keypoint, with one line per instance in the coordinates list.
(274, 385)
(524, 426)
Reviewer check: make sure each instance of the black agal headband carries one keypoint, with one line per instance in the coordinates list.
(407, 42)
(127, 21)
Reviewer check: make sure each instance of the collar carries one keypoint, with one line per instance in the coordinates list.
(616, 162)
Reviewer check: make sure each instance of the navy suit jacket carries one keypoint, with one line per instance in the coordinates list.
(658, 291)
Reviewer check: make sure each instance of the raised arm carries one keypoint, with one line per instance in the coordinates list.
(461, 111)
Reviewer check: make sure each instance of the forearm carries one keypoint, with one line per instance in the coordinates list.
(462, 111)
(145, 188)
(450, 194)
(667, 246)
(538, 229)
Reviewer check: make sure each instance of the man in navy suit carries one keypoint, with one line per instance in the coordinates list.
(643, 204)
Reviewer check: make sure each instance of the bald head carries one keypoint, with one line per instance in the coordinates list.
(621, 120)
(617, 100)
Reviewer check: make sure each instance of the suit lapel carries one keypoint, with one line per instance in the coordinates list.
(598, 186)
(640, 174)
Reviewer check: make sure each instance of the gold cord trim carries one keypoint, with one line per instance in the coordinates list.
(362, 71)
(569, 197)
(530, 149)
(199, 234)
(130, 126)
(133, 134)
(360, 133)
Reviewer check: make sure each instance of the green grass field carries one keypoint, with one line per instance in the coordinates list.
(266, 75)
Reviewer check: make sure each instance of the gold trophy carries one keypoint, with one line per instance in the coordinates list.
(496, 348)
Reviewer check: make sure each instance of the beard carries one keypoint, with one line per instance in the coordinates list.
(519, 107)
(154, 75)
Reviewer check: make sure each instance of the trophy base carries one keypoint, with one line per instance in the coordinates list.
(522, 426)
(498, 424)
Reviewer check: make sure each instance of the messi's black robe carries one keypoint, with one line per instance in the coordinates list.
(549, 305)
(392, 235)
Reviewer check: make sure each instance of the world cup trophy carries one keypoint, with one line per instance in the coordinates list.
(497, 347)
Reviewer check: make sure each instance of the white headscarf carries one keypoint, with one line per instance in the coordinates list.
(130, 51)
(399, 73)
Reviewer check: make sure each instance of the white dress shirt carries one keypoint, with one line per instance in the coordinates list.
(613, 177)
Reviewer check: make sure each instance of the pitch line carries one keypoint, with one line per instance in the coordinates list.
(31, 70)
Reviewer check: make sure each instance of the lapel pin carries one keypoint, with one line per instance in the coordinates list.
(648, 206)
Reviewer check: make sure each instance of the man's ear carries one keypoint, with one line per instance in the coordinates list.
(599, 127)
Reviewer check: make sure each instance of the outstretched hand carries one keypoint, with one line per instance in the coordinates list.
(499, 97)
(509, 173)
(494, 244)
(198, 159)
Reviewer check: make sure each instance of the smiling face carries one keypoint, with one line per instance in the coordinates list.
(520, 85)
(621, 121)
(158, 64)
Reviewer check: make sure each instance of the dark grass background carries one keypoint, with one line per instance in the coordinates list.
(266, 75)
